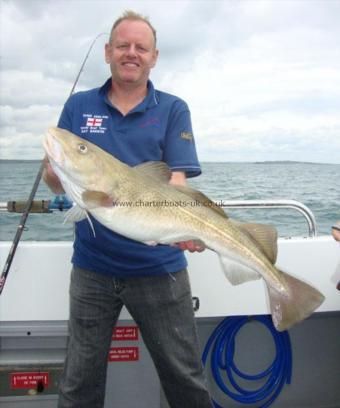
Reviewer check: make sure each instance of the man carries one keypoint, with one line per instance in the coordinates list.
(130, 119)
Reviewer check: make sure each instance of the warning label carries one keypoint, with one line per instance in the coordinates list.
(123, 354)
(29, 380)
(125, 333)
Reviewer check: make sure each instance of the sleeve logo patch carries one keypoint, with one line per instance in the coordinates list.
(187, 135)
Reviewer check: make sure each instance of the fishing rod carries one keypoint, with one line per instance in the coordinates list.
(60, 203)
(29, 203)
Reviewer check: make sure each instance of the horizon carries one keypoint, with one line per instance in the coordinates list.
(212, 162)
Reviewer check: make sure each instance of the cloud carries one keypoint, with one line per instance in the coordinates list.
(262, 78)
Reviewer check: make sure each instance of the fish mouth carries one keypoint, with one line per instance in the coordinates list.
(57, 153)
(53, 148)
(58, 160)
(47, 146)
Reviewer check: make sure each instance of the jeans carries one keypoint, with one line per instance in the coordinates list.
(162, 308)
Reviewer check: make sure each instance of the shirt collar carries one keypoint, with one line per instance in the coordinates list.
(148, 102)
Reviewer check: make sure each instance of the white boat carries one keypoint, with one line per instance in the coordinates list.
(34, 313)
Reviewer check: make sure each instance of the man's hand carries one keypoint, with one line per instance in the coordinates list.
(336, 231)
(191, 246)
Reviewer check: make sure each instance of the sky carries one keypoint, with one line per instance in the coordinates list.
(261, 77)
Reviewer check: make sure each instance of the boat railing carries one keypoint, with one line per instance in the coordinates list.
(61, 203)
(292, 204)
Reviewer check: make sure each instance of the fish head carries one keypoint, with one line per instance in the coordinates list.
(78, 162)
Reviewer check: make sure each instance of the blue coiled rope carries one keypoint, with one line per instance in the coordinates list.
(221, 347)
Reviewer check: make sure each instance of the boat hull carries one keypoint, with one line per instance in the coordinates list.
(37, 286)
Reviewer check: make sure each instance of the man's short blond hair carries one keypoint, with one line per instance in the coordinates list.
(133, 16)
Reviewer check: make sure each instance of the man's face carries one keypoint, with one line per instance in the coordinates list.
(131, 53)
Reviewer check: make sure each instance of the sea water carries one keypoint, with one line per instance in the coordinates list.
(315, 185)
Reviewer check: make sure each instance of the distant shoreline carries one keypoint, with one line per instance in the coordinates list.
(288, 162)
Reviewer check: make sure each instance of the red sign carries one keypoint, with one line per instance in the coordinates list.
(125, 333)
(123, 354)
(29, 379)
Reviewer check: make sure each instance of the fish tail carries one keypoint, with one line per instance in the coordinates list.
(296, 304)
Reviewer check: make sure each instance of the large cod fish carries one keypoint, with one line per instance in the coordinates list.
(139, 203)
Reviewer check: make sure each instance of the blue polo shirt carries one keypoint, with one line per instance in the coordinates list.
(159, 128)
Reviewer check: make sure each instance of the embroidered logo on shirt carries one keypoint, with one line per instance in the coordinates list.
(93, 123)
(150, 122)
(187, 135)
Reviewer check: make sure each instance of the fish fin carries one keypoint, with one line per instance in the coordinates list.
(75, 214)
(263, 236)
(161, 172)
(200, 198)
(294, 306)
(155, 169)
(237, 273)
(91, 224)
(94, 199)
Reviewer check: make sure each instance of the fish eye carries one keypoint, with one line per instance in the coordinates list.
(82, 148)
